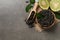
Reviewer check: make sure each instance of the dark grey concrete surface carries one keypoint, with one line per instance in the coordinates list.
(13, 27)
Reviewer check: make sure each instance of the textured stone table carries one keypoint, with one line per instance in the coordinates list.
(13, 27)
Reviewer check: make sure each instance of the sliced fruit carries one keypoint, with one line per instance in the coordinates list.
(55, 5)
(44, 4)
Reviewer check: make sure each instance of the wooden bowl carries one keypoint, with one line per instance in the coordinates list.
(55, 21)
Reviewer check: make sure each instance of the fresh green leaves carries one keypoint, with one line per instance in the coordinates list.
(57, 15)
(28, 7)
(39, 16)
(32, 1)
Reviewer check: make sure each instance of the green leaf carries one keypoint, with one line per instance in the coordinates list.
(32, 1)
(39, 16)
(57, 15)
(28, 7)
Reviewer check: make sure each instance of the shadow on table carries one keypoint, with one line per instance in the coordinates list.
(53, 29)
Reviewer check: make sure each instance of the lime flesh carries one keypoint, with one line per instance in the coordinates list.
(44, 4)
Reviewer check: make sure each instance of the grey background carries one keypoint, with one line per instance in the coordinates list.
(13, 27)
